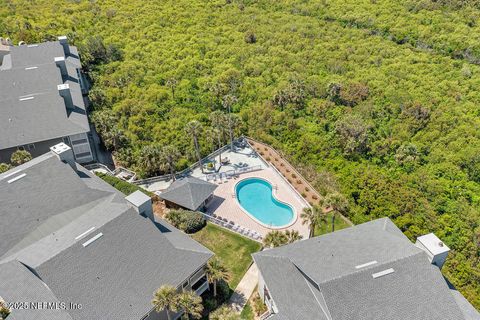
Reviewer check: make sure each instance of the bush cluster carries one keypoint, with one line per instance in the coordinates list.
(187, 221)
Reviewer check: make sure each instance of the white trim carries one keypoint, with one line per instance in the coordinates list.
(274, 194)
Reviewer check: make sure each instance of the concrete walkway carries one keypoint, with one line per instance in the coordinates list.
(244, 289)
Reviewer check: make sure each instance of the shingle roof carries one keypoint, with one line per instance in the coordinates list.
(188, 192)
(18, 284)
(53, 210)
(31, 109)
(339, 268)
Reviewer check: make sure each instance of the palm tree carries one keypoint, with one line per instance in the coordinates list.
(224, 313)
(293, 235)
(194, 128)
(168, 159)
(216, 271)
(227, 102)
(275, 239)
(311, 216)
(190, 303)
(150, 157)
(217, 119)
(165, 298)
(337, 203)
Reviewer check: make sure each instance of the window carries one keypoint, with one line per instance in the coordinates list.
(66, 140)
(185, 284)
(31, 146)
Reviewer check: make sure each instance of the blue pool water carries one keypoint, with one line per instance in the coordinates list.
(256, 197)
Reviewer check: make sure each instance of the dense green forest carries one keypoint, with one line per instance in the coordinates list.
(377, 99)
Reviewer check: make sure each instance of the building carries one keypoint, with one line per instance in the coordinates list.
(367, 272)
(72, 239)
(189, 193)
(41, 100)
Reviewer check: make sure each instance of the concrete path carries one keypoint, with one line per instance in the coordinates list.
(244, 289)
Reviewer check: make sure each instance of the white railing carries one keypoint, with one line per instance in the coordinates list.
(231, 173)
(119, 172)
(267, 314)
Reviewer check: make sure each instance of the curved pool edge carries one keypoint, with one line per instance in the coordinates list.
(274, 194)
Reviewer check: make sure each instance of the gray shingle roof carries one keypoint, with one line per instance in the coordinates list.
(188, 192)
(53, 210)
(341, 288)
(43, 116)
(18, 284)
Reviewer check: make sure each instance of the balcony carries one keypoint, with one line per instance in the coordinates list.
(201, 285)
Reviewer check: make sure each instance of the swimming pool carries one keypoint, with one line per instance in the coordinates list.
(256, 198)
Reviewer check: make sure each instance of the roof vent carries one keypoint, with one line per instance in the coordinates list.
(31, 68)
(17, 178)
(382, 273)
(436, 250)
(89, 242)
(366, 264)
(85, 233)
(26, 98)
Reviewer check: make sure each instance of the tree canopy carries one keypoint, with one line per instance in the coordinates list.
(382, 95)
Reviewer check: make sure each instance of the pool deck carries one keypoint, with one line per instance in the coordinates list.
(246, 156)
(225, 204)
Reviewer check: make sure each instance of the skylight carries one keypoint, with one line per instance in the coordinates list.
(31, 68)
(26, 98)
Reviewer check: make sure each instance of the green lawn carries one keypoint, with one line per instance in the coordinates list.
(326, 228)
(232, 249)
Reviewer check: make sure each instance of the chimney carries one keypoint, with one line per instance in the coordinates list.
(436, 250)
(64, 42)
(141, 203)
(64, 153)
(60, 62)
(64, 91)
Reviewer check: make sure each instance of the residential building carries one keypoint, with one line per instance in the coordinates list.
(189, 193)
(70, 239)
(41, 100)
(367, 272)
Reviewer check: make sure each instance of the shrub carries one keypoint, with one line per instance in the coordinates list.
(294, 175)
(307, 189)
(314, 197)
(250, 37)
(304, 194)
(4, 167)
(267, 158)
(276, 159)
(288, 170)
(188, 221)
(122, 185)
(259, 306)
(299, 181)
(20, 156)
(266, 149)
(282, 164)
